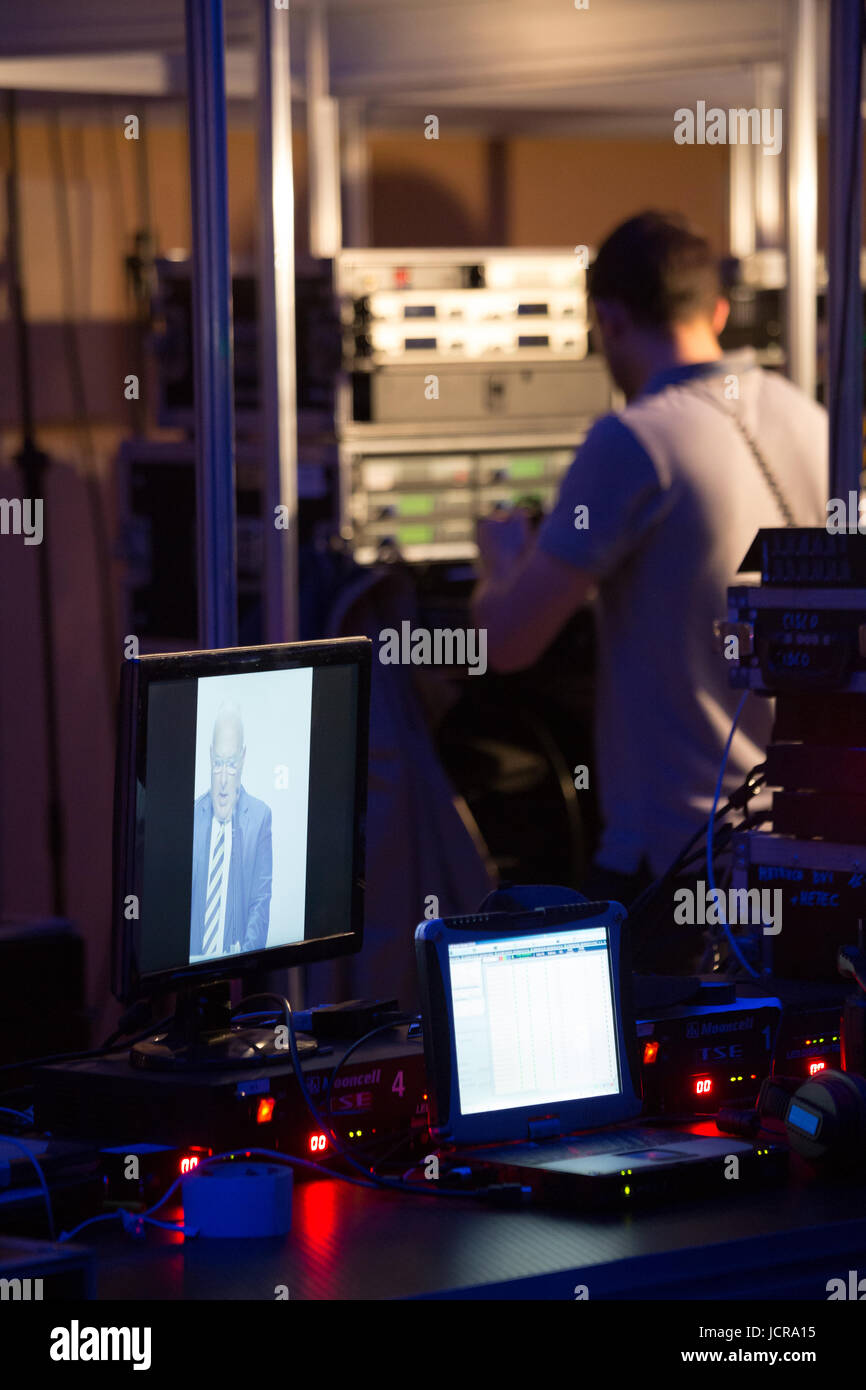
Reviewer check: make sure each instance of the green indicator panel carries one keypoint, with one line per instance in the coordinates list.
(526, 466)
(415, 535)
(415, 504)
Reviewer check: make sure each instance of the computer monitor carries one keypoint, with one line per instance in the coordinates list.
(525, 1020)
(240, 801)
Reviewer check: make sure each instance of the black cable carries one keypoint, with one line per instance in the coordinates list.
(322, 1122)
(103, 1051)
(400, 1020)
(74, 366)
(129, 1022)
(33, 463)
(117, 199)
(682, 861)
(373, 1032)
(112, 135)
(738, 800)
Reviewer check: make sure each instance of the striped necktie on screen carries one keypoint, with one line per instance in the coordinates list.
(214, 892)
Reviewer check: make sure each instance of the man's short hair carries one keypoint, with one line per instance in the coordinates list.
(662, 270)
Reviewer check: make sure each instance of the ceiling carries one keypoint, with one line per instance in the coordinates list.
(620, 65)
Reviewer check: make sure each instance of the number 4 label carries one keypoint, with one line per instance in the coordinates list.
(398, 1085)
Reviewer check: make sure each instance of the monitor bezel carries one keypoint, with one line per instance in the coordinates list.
(128, 982)
(448, 1122)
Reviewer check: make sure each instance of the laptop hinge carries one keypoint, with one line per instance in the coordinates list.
(547, 1128)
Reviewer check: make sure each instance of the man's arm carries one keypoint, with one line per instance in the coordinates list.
(525, 607)
(531, 585)
(255, 937)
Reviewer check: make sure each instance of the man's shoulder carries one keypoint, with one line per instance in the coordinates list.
(253, 806)
(776, 390)
(203, 802)
(611, 440)
(665, 421)
(611, 430)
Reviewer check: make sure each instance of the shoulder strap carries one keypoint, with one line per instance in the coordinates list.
(766, 471)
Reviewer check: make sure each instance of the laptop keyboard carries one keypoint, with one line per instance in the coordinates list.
(620, 1141)
(586, 1145)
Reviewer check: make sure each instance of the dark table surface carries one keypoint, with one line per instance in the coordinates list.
(355, 1243)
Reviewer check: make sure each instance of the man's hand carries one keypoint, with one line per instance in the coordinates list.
(525, 604)
(503, 540)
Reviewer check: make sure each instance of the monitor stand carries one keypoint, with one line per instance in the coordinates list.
(201, 1035)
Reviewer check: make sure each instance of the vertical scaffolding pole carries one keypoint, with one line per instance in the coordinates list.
(844, 299)
(356, 174)
(768, 170)
(276, 307)
(323, 140)
(741, 201)
(801, 144)
(212, 326)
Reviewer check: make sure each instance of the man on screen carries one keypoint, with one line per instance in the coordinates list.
(232, 855)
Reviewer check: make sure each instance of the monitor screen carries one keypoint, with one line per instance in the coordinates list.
(534, 1019)
(240, 806)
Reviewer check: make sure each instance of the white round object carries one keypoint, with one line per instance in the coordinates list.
(238, 1198)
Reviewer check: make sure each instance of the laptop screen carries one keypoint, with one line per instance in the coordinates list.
(534, 1019)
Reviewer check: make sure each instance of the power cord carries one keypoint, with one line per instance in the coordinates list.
(17, 1144)
(738, 800)
(369, 1174)
(133, 1222)
(25, 1115)
(729, 937)
(103, 1051)
(373, 1032)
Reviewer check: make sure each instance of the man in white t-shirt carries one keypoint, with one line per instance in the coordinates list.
(653, 519)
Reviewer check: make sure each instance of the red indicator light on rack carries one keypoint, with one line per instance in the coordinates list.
(265, 1112)
(704, 1086)
(816, 1067)
(318, 1143)
(650, 1052)
(187, 1164)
